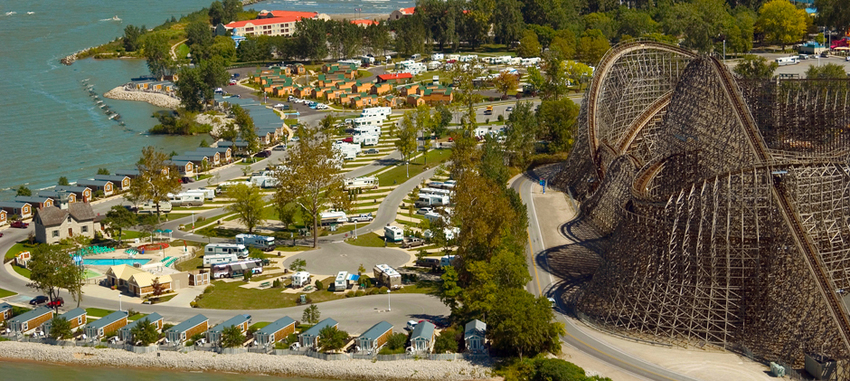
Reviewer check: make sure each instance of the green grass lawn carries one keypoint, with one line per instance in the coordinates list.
(421, 287)
(97, 312)
(136, 317)
(163, 299)
(259, 325)
(24, 272)
(19, 247)
(6, 293)
(182, 50)
(229, 296)
(293, 248)
(371, 240)
(191, 264)
(398, 174)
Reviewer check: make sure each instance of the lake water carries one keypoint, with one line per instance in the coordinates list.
(40, 371)
(50, 127)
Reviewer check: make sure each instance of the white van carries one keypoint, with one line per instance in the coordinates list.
(226, 248)
(215, 259)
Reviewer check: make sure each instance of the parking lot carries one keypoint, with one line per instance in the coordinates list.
(800, 68)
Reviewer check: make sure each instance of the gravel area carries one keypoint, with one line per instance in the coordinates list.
(248, 363)
(159, 100)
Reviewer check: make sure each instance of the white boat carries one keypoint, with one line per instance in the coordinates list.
(115, 18)
(30, 13)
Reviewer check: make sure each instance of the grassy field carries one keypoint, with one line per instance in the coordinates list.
(20, 270)
(17, 248)
(191, 264)
(6, 293)
(229, 296)
(421, 287)
(136, 317)
(259, 325)
(418, 165)
(97, 312)
(371, 240)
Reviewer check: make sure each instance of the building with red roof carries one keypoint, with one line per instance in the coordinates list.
(272, 23)
(397, 77)
(364, 23)
(402, 12)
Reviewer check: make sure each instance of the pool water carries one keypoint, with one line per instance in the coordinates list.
(114, 262)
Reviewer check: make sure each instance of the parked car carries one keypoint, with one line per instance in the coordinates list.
(41, 299)
(232, 82)
(59, 302)
(361, 218)
(509, 109)
(349, 139)
(552, 302)
(263, 153)
(20, 224)
(372, 151)
(187, 180)
(1, 235)
(411, 325)
(281, 147)
(425, 210)
(412, 242)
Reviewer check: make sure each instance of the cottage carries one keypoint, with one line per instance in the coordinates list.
(131, 173)
(53, 224)
(59, 197)
(28, 321)
(105, 186)
(83, 193)
(402, 12)
(199, 160)
(474, 335)
(37, 201)
(5, 311)
(310, 337)
(186, 168)
(275, 332)
(237, 145)
(213, 156)
(397, 78)
(119, 275)
(76, 318)
(180, 332)
(107, 324)
(141, 283)
(17, 208)
(374, 338)
(225, 153)
(126, 332)
(422, 338)
(4, 217)
(121, 182)
(239, 321)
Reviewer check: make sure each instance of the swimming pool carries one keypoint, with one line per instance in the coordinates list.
(114, 262)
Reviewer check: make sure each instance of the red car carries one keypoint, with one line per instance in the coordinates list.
(20, 224)
(59, 302)
(349, 139)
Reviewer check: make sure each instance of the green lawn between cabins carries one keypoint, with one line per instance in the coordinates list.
(229, 296)
(398, 174)
(97, 312)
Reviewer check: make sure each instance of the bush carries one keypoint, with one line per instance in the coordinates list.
(557, 369)
(276, 283)
(359, 293)
(383, 290)
(373, 291)
(349, 294)
(319, 285)
(209, 289)
(446, 342)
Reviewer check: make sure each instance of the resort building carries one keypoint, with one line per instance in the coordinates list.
(121, 182)
(126, 332)
(36, 201)
(375, 337)
(272, 23)
(402, 12)
(275, 332)
(225, 153)
(53, 224)
(106, 325)
(186, 168)
(30, 320)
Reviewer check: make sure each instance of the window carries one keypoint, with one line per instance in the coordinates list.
(55, 233)
(80, 320)
(84, 229)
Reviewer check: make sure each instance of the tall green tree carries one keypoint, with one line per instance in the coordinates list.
(131, 37)
(782, 23)
(199, 39)
(521, 324)
(157, 178)
(603, 23)
(214, 74)
(450, 291)
(563, 45)
(411, 35)
(191, 88)
(157, 52)
(592, 46)
(508, 24)
(311, 39)
(62, 180)
(232, 337)
(144, 332)
(53, 269)
(835, 13)
(60, 328)
(529, 45)
(636, 23)
(755, 67)
(247, 133)
(406, 142)
(231, 10)
(311, 314)
(377, 37)
(247, 203)
(828, 71)
(117, 219)
(521, 132)
(216, 13)
(557, 122)
(311, 179)
(23, 191)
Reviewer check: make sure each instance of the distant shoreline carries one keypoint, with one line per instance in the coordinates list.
(247, 363)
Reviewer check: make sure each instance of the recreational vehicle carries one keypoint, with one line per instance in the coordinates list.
(226, 248)
(366, 182)
(393, 233)
(262, 242)
(186, 199)
(211, 260)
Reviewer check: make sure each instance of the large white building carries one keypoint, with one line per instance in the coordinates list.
(272, 23)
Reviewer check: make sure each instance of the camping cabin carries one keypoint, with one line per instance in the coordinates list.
(107, 324)
(121, 182)
(17, 208)
(83, 193)
(5, 311)
(474, 335)
(37, 201)
(126, 332)
(180, 332)
(4, 217)
(59, 197)
(76, 317)
(374, 338)
(30, 320)
(240, 321)
(105, 186)
(275, 332)
(422, 338)
(310, 337)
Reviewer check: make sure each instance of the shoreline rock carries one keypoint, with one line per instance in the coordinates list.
(156, 99)
(252, 363)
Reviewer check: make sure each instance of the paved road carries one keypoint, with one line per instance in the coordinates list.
(545, 283)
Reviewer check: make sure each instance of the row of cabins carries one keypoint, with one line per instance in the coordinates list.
(166, 87)
(422, 338)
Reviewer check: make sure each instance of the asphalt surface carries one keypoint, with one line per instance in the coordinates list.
(544, 283)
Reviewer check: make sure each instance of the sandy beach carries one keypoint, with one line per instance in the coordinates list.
(250, 363)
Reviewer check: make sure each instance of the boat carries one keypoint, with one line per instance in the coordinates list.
(115, 116)
(115, 18)
(30, 13)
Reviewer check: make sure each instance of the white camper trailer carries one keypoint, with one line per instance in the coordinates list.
(226, 248)
(382, 112)
(365, 182)
(209, 194)
(262, 242)
(341, 281)
(393, 233)
(215, 259)
(186, 199)
(337, 217)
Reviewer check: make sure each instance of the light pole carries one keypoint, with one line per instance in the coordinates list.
(193, 221)
(119, 303)
(389, 306)
(355, 229)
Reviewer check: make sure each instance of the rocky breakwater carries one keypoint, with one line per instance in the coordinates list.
(252, 363)
(156, 99)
